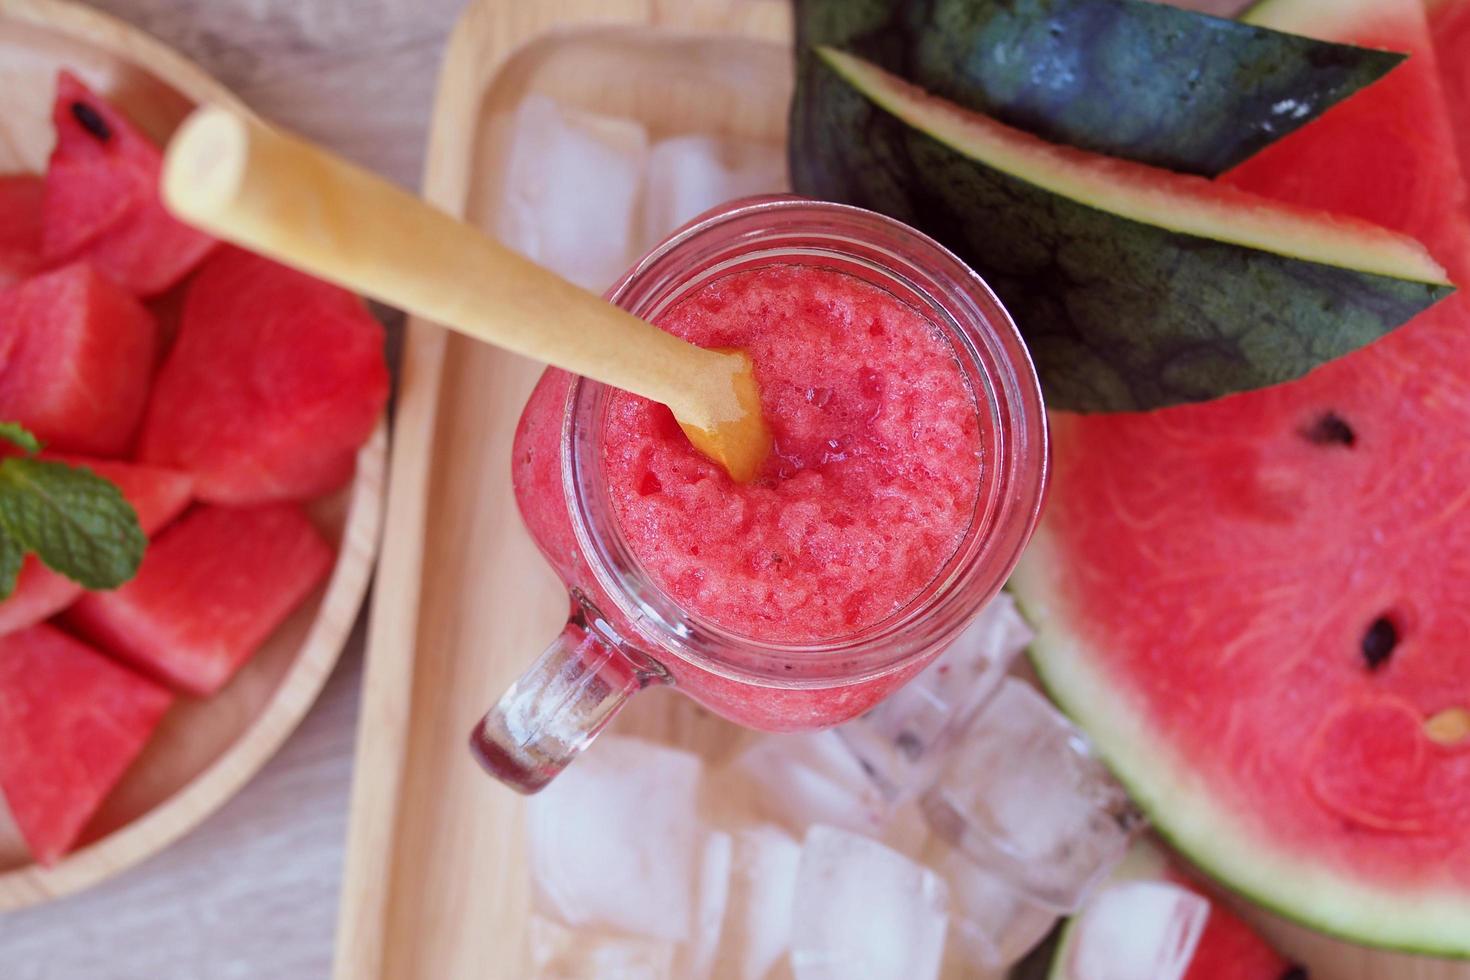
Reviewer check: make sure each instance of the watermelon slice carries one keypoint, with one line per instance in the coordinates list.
(274, 382)
(76, 356)
(20, 227)
(102, 200)
(1172, 88)
(1256, 606)
(158, 495)
(71, 721)
(1134, 287)
(212, 587)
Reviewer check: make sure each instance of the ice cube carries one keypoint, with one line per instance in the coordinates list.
(570, 193)
(757, 931)
(696, 958)
(904, 740)
(865, 912)
(992, 925)
(614, 840)
(688, 175)
(1024, 796)
(1139, 930)
(810, 778)
(559, 953)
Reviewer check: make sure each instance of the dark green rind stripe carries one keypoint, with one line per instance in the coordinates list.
(1119, 315)
(1129, 78)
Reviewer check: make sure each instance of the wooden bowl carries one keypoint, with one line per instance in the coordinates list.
(204, 751)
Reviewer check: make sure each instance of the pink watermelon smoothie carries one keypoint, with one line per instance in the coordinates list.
(873, 482)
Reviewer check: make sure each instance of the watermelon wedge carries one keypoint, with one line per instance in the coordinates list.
(1411, 151)
(71, 721)
(212, 587)
(102, 203)
(275, 381)
(76, 357)
(20, 227)
(157, 494)
(1134, 287)
(1146, 81)
(1256, 607)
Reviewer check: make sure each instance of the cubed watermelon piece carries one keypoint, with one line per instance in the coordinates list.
(20, 227)
(212, 587)
(102, 202)
(157, 494)
(76, 356)
(274, 382)
(71, 722)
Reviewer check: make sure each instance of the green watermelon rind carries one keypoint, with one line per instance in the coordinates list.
(1238, 855)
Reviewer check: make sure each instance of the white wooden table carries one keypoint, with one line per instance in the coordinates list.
(253, 892)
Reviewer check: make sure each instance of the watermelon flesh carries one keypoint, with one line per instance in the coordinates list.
(1256, 606)
(102, 201)
(212, 587)
(275, 380)
(76, 357)
(20, 227)
(1229, 949)
(158, 495)
(71, 722)
(1449, 27)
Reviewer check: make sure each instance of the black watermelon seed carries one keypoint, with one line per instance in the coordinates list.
(91, 120)
(1294, 973)
(1378, 642)
(1330, 430)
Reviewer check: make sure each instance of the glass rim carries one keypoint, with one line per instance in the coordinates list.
(984, 338)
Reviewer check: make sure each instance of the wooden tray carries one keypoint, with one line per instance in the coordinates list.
(436, 882)
(204, 751)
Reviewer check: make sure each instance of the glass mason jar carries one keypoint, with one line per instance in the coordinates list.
(625, 633)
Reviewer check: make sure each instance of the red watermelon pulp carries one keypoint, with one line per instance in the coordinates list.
(1260, 607)
(20, 227)
(1449, 26)
(71, 721)
(102, 200)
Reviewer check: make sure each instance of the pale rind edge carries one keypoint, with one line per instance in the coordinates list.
(1116, 188)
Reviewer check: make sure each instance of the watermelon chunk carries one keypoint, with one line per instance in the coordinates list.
(20, 227)
(101, 200)
(274, 382)
(1256, 607)
(71, 721)
(76, 356)
(212, 587)
(158, 495)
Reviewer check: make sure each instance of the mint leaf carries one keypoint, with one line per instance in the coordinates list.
(21, 436)
(76, 522)
(11, 555)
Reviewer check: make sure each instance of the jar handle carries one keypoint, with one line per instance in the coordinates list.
(558, 706)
